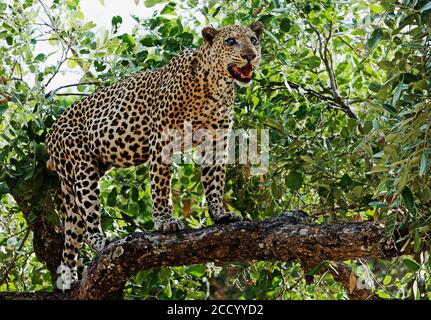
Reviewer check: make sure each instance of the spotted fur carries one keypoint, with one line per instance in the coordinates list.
(122, 125)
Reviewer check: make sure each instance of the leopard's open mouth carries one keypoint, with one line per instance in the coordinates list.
(242, 74)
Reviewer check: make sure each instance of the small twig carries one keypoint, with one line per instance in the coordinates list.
(64, 42)
(73, 94)
(326, 57)
(54, 92)
(57, 69)
(313, 93)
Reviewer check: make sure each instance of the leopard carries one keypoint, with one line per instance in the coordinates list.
(123, 124)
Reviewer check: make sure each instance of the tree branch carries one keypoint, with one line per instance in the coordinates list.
(54, 92)
(283, 238)
(325, 55)
(310, 92)
(73, 94)
(66, 42)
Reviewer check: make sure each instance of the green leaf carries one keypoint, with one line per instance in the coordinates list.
(374, 87)
(217, 10)
(398, 91)
(195, 295)
(418, 241)
(385, 64)
(116, 21)
(40, 57)
(127, 38)
(387, 280)
(72, 4)
(168, 290)
(152, 3)
(276, 190)
(285, 25)
(423, 164)
(382, 294)
(377, 204)
(345, 181)
(273, 124)
(141, 277)
(312, 62)
(4, 188)
(421, 84)
(412, 265)
(316, 268)
(408, 77)
(99, 66)
(135, 194)
(71, 63)
(294, 180)
(426, 7)
(197, 270)
(3, 108)
(9, 40)
(112, 198)
(408, 200)
(169, 9)
(390, 108)
(164, 274)
(375, 38)
(390, 224)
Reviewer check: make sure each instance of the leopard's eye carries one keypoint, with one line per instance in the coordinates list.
(230, 41)
(253, 40)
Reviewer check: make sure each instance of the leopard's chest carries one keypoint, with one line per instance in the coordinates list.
(209, 105)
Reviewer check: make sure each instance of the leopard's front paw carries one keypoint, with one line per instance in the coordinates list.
(167, 224)
(227, 217)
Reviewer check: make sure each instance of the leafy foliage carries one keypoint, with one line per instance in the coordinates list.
(343, 86)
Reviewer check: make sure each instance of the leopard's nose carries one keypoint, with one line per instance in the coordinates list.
(249, 56)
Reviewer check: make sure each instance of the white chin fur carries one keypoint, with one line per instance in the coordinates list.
(243, 84)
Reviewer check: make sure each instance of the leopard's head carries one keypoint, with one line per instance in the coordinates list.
(235, 50)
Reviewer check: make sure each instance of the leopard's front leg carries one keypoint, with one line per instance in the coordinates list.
(160, 182)
(213, 178)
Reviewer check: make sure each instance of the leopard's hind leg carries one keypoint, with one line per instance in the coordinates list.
(74, 230)
(87, 194)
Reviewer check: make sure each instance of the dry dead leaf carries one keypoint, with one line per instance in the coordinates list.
(186, 209)
(357, 218)
(352, 282)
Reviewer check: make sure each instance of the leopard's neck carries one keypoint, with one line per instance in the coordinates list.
(209, 74)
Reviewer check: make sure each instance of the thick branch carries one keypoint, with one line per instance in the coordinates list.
(280, 238)
(275, 239)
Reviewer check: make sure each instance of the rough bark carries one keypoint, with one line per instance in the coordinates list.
(283, 238)
(47, 239)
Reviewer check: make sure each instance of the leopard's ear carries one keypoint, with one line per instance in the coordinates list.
(209, 34)
(257, 27)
